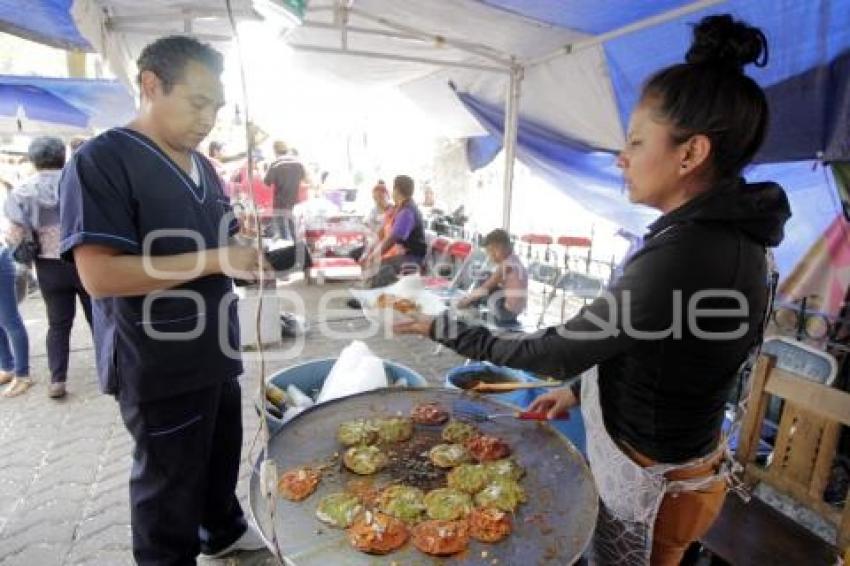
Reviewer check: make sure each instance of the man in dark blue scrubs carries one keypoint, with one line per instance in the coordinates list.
(145, 219)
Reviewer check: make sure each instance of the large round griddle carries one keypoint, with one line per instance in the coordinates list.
(554, 526)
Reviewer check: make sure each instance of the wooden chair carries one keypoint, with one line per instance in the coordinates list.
(805, 448)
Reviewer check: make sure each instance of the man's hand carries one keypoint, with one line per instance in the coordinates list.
(417, 324)
(464, 302)
(555, 403)
(243, 262)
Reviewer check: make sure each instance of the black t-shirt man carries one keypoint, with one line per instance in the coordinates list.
(285, 175)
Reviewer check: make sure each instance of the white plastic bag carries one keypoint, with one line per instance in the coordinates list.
(298, 397)
(356, 370)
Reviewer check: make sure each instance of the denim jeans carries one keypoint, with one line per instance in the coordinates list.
(14, 343)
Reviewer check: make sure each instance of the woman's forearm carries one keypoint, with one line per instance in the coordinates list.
(550, 352)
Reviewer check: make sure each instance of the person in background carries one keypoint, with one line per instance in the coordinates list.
(403, 245)
(506, 290)
(285, 175)
(14, 342)
(429, 197)
(165, 321)
(375, 219)
(379, 220)
(216, 156)
(257, 193)
(33, 212)
(215, 153)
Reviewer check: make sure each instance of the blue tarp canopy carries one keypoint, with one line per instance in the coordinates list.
(807, 82)
(595, 181)
(807, 78)
(33, 103)
(79, 103)
(44, 21)
(583, 64)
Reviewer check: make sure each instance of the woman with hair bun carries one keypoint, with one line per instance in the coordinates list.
(665, 343)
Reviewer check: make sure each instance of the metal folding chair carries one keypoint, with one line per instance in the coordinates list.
(464, 280)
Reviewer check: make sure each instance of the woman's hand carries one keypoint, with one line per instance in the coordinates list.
(555, 403)
(417, 324)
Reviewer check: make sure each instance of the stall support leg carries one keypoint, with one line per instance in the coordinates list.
(512, 98)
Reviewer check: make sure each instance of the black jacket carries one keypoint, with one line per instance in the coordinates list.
(662, 395)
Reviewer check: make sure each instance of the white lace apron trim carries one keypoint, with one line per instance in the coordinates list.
(630, 494)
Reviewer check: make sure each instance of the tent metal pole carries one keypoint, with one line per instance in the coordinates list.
(310, 24)
(625, 30)
(150, 31)
(512, 99)
(118, 22)
(472, 48)
(392, 57)
(343, 24)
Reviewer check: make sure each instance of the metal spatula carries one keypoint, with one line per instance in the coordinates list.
(473, 412)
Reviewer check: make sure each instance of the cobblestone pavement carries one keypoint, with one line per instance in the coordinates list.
(64, 465)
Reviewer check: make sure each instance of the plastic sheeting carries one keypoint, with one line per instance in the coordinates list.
(578, 101)
(584, 95)
(44, 21)
(26, 103)
(806, 77)
(589, 177)
(148, 20)
(83, 103)
(588, 17)
(570, 95)
(592, 179)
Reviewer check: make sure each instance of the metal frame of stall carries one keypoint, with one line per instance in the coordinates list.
(492, 59)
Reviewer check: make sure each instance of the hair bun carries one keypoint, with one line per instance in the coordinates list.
(722, 40)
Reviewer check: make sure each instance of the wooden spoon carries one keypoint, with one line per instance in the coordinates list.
(484, 387)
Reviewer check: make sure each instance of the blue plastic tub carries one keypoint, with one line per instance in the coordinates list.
(310, 376)
(572, 428)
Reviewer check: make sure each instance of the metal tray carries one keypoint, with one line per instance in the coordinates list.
(553, 527)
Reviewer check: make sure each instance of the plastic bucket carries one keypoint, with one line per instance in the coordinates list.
(458, 377)
(310, 376)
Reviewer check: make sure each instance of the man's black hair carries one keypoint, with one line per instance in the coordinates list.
(167, 58)
(404, 184)
(498, 237)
